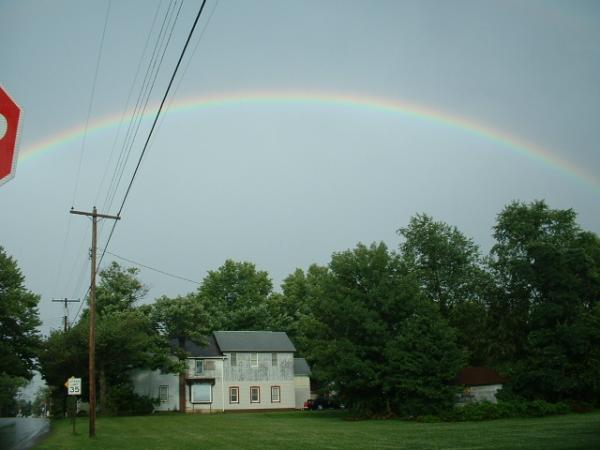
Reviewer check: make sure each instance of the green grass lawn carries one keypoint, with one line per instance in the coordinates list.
(311, 429)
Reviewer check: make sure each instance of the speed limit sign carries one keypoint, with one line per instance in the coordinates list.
(73, 386)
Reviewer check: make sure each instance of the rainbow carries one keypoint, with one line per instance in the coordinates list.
(405, 109)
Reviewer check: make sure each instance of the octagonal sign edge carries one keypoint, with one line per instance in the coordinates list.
(10, 119)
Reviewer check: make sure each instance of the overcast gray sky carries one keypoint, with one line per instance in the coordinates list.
(286, 183)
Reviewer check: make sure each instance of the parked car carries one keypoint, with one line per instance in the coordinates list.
(322, 403)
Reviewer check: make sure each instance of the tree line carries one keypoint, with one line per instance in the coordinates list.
(386, 330)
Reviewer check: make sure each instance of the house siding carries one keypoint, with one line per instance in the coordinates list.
(148, 382)
(302, 390)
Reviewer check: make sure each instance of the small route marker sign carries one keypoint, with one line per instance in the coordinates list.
(73, 386)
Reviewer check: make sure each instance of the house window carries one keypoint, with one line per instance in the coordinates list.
(234, 394)
(209, 365)
(273, 359)
(199, 367)
(254, 394)
(163, 393)
(201, 393)
(253, 359)
(234, 359)
(275, 394)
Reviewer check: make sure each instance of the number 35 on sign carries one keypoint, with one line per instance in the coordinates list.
(73, 386)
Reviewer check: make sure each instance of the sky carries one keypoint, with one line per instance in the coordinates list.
(293, 129)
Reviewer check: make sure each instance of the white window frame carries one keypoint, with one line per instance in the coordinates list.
(235, 389)
(274, 358)
(193, 400)
(278, 390)
(234, 359)
(257, 388)
(163, 389)
(254, 359)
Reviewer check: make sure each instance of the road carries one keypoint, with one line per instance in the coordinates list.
(22, 433)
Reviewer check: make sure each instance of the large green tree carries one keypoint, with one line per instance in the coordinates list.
(19, 337)
(450, 271)
(370, 314)
(292, 310)
(548, 274)
(182, 318)
(236, 296)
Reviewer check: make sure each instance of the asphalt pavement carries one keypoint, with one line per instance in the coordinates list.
(22, 433)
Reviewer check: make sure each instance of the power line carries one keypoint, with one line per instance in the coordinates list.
(154, 124)
(138, 112)
(152, 268)
(137, 72)
(141, 103)
(92, 95)
(185, 69)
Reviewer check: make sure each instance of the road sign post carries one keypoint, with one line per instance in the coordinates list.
(9, 126)
(73, 386)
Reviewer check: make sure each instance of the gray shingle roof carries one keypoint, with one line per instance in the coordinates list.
(301, 367)
(194, 350)
(253, 341)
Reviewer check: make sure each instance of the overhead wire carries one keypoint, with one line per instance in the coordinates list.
(122, 119)
(145, 147)
(145, 91)
(91, 102)
(185, 69)
(151, 268)
(157, 116)
(140, 106)
(82, 151)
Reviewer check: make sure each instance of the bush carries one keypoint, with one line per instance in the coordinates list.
(122, 401)
(473, 412)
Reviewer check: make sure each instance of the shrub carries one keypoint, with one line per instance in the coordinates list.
(122, 401)
(501, 410)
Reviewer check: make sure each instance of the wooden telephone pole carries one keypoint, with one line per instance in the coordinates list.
(66, 317)
(92, 316)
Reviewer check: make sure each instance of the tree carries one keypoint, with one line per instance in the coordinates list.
(19, 337)
(548, 275)
(126, 339)
(292, 311)
(369, 315)
(118, 289)
(182, 318)
(450, 271)
(236, 295)
(447, 264)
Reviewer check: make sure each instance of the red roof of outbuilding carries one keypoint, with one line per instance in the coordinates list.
(479, 376)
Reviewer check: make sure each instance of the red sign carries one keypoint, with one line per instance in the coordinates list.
(9, 123)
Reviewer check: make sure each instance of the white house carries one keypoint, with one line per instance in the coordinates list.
(235, 371)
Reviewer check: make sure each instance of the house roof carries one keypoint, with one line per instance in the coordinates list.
(479, 376)
(253, 341)
(194, 350)
(301, 367)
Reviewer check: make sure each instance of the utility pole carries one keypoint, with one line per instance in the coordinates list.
(92, 316)
(66, 317)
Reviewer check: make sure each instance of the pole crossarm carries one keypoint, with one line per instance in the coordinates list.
(94, 214)
(66, 316)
